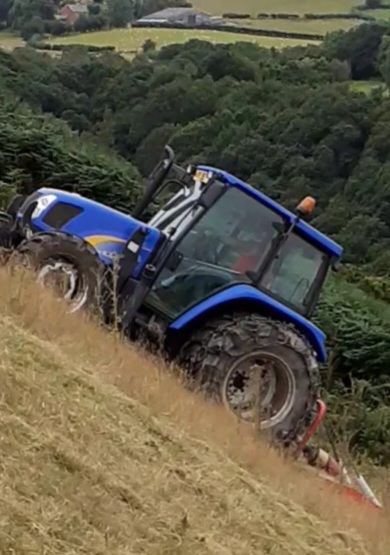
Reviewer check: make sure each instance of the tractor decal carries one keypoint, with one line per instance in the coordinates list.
(97, 240)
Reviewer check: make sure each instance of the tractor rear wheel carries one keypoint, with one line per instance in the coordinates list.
(68, 264)
(262, 370)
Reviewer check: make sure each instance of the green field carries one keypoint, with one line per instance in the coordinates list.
(9, 41)
(379, 14)
(253, 7)
(128, 40)
(367, 87)
(301, 25)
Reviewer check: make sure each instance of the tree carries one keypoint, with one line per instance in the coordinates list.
(24, 11)
(120, 12)
(36, 150)
(5, 6)
(149, 46)
(94, 9)
(34, 27)
(360, 47)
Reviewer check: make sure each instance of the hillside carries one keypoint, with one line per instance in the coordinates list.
(288, 122)
(142, 467)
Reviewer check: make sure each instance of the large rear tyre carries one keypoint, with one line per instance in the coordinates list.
(262, 370)
(66, 263)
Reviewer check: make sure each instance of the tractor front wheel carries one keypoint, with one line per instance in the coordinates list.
(262, 370)
(67, 263)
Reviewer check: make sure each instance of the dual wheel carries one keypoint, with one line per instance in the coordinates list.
(261, 369)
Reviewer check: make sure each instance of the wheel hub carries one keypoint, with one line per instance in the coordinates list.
(259, 387)
(66, 280)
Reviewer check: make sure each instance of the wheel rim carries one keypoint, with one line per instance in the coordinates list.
(259, 385)
(66, 280)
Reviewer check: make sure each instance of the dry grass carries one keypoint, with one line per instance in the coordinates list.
(103, 452)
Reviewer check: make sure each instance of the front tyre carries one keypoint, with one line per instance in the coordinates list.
(68, 264)
(262, 370)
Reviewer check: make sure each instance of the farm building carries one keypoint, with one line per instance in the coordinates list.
(180, 16)
(70, 13)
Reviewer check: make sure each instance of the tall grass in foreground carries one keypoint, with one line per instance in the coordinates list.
(287, 510)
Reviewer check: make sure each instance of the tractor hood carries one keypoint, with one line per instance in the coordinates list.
(104, 228)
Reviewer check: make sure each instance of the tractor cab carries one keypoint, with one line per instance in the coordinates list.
(220, 232)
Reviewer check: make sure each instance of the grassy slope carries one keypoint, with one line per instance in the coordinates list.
(143, 467)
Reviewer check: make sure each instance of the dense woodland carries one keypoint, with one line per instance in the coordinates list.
(289, 122)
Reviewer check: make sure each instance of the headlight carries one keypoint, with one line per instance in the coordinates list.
(43, 202)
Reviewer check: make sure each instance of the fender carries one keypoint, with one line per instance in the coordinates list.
(260, 303)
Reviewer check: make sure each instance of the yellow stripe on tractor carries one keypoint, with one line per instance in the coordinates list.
(96, 240)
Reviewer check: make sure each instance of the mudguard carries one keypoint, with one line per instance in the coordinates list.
(260, 303)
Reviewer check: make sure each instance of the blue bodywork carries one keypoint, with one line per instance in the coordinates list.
(261, 303)
(105, 229)
(108, 231)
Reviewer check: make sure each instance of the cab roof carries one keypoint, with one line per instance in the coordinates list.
(305, 229)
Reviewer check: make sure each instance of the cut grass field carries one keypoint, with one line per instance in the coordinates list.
(253, 7)
(133, 39)
(380, 15)
(102, 451)
(8, 41)
(319, 26)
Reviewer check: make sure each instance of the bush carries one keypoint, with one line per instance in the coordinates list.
(149, 45)
(56, 28)
(37, 150)
(326, 16)
(34, 27)
(236, 16)
(278, 16)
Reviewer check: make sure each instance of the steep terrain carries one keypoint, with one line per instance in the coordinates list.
(101, 452)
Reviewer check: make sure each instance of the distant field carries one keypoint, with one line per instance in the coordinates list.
(9, 41)
(379, 14)
(254, 7)
(367, 87)
(301, 25)
(133, 39)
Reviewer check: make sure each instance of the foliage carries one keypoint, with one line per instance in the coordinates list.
(37, 151)
(360, 47)
(373, 4)
(120, 12)
(283, 120)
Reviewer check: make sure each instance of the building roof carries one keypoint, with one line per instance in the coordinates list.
(170, 13)
(77, 8)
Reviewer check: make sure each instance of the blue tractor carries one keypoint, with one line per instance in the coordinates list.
(221, 277)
